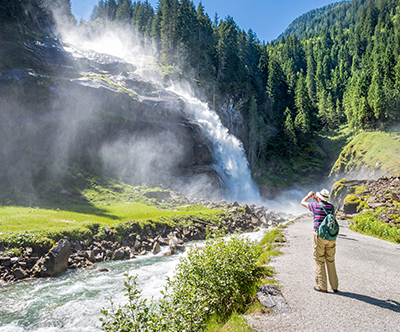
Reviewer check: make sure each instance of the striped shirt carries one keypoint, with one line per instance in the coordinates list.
(319, 213)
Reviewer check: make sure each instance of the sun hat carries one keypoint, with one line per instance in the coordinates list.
(323, 194)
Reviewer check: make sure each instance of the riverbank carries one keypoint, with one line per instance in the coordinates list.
(133, 240)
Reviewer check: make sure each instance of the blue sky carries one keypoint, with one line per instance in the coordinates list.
(267, 18)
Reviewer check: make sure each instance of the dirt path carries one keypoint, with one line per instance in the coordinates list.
(369, 283)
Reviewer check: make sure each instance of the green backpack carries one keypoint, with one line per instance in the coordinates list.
(329, 228)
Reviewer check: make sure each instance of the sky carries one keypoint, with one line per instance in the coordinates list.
(267, 18)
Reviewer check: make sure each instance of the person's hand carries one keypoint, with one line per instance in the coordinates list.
(310, 194)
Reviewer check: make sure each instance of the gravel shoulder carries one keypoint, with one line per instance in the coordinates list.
(369, 284)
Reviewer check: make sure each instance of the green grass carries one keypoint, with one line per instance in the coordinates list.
(377, 150)
(368, 223)
(108, 204)
(15, 218)
(236, 323)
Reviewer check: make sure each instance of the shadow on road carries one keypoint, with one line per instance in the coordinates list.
(386, 304)
(345, 237)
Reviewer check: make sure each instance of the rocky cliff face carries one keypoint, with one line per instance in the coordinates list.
(73, 113)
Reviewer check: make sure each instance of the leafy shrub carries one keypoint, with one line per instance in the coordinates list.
(368, 222)
(214, 282)
(24, 239)
(135, 315)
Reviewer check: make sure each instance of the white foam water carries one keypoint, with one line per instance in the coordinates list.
(228, 154)
(72, 302)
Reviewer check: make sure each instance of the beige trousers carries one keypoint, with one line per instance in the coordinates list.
(324, 251)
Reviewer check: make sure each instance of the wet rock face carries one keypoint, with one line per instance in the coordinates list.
(99, 106)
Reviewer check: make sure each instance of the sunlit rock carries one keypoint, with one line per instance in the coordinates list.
(55, 261)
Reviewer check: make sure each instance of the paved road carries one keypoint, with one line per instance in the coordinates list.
(369, 283)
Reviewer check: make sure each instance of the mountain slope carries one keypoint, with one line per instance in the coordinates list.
(343, 13)
(368, 156)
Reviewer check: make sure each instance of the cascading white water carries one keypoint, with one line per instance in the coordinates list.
(229, 158)
(230, 161)
(72, 301)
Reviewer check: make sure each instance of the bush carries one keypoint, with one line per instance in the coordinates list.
(25, 239)
(214, 282)
(369, 223)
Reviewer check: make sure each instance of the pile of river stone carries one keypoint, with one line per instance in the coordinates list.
(70, 254)
(381, 193)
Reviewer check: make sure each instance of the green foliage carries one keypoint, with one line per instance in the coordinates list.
(371, 150)
(210, 287)
(25, 239)
(367, 222)
(135, 315)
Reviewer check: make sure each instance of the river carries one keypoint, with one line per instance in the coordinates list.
(72, 301)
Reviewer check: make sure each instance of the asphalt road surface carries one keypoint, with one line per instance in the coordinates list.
(369, 284)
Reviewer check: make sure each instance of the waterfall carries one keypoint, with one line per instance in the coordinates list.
(230, 161)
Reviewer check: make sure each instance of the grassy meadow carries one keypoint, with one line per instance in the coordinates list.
(88, 212)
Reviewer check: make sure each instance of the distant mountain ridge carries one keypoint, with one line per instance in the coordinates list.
(342, 13)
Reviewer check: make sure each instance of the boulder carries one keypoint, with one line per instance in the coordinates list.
(118, 255)
(20, 274)
(156, 248)
(395, 197)
(5, 261)
(55, 261)
(247, 209)
(351, 204)
(90, 255)
(271, 297)
(174, 246)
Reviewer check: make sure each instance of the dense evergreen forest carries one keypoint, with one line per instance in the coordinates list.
(345, 68)
(335, 66)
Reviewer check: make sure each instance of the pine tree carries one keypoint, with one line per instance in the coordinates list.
(256, 133)
(111, 10)
(289, 133)
(277, 93)
(124, 12)
(311, 70)
(305, 121)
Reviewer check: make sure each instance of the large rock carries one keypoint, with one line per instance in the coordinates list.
(175, 244)
(20, 274)
(271, 297)
(156, 248)
(55, 261)
(343, 188)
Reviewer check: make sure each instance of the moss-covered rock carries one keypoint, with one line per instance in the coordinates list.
(55, 262)
(343, 188)
(352, 204)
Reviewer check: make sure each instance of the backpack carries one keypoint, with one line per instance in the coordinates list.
(329, 228)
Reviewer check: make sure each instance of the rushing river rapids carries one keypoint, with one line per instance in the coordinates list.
(73, 300)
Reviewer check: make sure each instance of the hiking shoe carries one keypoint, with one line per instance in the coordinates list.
(320, 290)
(335, 290)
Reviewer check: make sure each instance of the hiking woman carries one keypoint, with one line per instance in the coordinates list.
(324, 250)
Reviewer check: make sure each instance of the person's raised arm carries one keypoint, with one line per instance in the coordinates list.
(305, 199)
